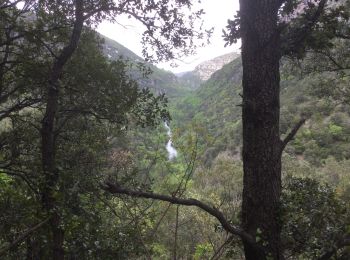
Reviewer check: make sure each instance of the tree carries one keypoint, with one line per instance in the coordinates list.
(262, 147)
(268, 34)
(92, 110)
(166, 27)
(264, 42)
(326, 223)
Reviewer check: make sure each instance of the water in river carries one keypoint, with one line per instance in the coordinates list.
(172, 153)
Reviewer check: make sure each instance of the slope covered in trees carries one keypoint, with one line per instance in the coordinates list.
(319, 151)
(215, 106)
(82, 137)
(158, 80)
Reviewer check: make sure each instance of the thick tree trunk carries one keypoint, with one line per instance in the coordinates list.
(51, 175)
(260, 115)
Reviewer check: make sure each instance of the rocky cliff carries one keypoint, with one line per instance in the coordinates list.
(194, 79)
(207, 68)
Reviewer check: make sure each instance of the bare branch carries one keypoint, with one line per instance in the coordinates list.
(22, 237)
(292, 133)
(116, 189)
(219, 251)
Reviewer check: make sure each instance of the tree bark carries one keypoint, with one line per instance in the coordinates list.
(51, 175)
(176, 230)
(262, 146)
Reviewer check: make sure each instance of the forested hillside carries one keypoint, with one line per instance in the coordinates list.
(105, 156)
(159, 80)
(319, 152)
(215, 106)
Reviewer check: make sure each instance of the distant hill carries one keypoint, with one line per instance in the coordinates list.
(160, 81)
(203, 71)
(165, 81)
(215, 107)
(114, 50)
(207, 68)
(210, 97)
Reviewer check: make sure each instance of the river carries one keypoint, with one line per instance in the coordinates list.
(172, 153)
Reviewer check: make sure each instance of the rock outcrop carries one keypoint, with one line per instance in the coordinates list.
(207, 68)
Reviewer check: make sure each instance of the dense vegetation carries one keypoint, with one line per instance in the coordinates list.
(108, 130)
(318, 154)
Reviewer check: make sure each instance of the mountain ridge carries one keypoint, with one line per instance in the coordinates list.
(160, 81)
(215, 108)
(203, 71)
(166, 81)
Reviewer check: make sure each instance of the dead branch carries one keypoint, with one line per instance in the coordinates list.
(117, 189)
(291, 134)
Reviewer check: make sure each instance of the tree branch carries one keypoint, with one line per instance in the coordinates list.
(117, 189)
(332, 59)
(329, 254)
(291, 134)
(22, 237)
(21, 175)
(218, 253)
(299, 36)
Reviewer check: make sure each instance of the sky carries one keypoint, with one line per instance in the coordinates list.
(128, 33)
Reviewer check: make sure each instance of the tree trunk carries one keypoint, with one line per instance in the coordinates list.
(32, 249)
(176, 231)
(48, 149)
(260, 115)
(51, 174)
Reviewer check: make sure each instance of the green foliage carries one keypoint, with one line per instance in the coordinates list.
(314, 218)
(108, 126)
(203, 251)
(214, 108)
(98, 101)
(159, 251)
(319, 151)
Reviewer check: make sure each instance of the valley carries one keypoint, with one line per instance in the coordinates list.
(206, 125)
(104, 155)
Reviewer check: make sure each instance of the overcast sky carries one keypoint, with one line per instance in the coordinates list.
(128, 33)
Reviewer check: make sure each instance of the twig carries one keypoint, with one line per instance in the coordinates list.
(22, 237)
(291, 134)
(218, 252)
(154, 230)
